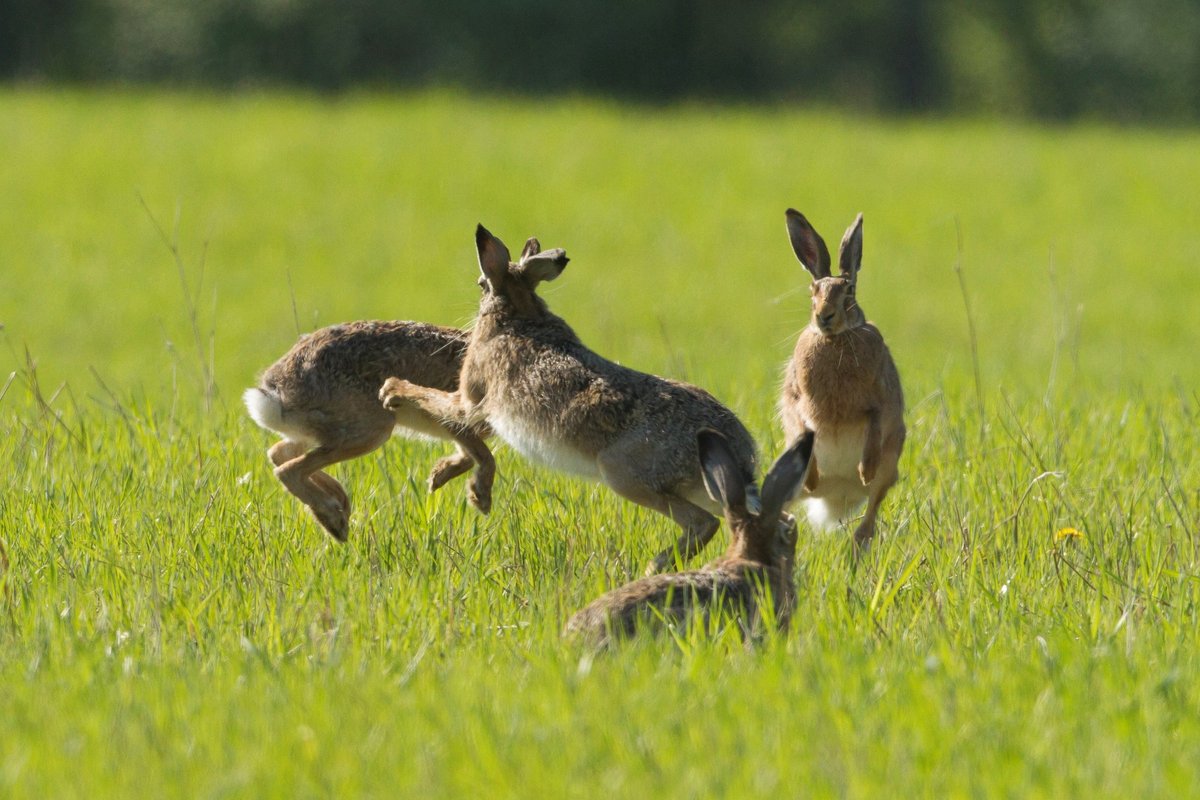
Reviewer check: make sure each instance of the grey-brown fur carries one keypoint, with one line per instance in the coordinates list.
(757, 567)
(843, 384)
(322, 396)
(546, 394)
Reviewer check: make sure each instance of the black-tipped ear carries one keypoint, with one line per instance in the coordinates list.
(532, 248)
(543, 266)
(785, 476)
(807, 243)
(850, 253)
(493, 255)
(722, 479)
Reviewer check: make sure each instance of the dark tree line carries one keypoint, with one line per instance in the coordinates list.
(1124, 59)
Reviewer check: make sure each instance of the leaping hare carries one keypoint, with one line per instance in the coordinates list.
(558, 403)
(757, 567)
(322, 396)
(843, 385)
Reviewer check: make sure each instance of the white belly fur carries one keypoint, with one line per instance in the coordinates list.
(536, 446)
(840, 491)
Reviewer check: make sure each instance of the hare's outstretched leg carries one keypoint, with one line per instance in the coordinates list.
(441, 407)
(440, 414)
(330, 506)
(884, 478)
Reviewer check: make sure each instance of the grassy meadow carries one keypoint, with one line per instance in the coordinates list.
(174, 624)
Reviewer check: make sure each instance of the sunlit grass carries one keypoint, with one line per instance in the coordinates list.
(172, 623)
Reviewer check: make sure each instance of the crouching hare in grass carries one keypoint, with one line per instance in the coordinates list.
(322, 396)
(756, 569)
(843, 385)
(556, 402)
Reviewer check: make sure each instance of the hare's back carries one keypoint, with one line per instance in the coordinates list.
(357, 357)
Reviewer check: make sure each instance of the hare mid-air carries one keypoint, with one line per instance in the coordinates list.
(528, 376)
(843, 385)
(322, 396)
(757, 567)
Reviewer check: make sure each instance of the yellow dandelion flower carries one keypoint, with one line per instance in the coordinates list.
(1067, 533)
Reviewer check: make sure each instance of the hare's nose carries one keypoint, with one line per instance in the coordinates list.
(826, 319)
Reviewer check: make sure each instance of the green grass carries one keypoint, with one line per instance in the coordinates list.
(173, 624)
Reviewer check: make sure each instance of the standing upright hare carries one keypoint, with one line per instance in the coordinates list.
(759, 559)
(843, 385)
(322, 396)
(555, 401)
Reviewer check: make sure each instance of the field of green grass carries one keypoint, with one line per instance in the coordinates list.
(174, 624)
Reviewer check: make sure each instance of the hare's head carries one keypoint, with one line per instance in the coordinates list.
(514, 284)
(768, 537)
(835, 304)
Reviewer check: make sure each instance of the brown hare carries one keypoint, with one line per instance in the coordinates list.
(558, 403)
(322, 396)
(756, 567)
(843, 385)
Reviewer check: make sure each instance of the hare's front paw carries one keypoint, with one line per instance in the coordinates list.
(395, 393)
(447, 470)
(479, 494)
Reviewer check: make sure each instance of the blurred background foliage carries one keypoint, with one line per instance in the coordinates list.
(1125, 60)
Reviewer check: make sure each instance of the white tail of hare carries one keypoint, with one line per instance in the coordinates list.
(322, 396)
(843, 385)
(757, 567)
(555, 401)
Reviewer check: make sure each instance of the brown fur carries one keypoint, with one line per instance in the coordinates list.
(322, 396)
(842, 383)
(544, 392)
(756, 568)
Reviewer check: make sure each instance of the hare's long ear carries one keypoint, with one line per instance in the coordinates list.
(809, 246)
(722, 479)
(542, 266)
(532, 248)
(493, 255)
(785, 476)
(850, 253)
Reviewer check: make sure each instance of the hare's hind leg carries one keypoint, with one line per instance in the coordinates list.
(330, 506)
(282, 452)
(698, 525)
